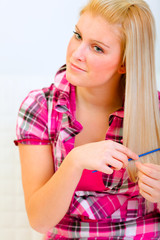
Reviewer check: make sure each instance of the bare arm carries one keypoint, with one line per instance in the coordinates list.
(47, 195)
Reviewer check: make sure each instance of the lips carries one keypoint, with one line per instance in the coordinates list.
(73, 66)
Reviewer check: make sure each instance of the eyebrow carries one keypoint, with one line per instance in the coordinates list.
(95, 40)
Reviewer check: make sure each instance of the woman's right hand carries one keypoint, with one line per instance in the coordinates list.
(42, 187)
(104, 156)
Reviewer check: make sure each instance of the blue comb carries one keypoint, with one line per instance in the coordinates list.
(141, 155)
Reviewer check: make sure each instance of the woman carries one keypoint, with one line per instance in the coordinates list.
(101, 110)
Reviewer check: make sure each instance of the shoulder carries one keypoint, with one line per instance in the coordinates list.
(36, 100)
(39, 105)
(37, 113)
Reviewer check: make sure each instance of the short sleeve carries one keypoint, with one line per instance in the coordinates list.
(32, 121)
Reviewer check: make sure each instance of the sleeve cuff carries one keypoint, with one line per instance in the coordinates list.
(30, 141)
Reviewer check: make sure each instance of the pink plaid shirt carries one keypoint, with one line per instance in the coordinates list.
(112, 210)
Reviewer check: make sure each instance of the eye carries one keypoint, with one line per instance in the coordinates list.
(98, 49)
(77, 35)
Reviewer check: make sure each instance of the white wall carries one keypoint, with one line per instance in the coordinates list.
(33, 40)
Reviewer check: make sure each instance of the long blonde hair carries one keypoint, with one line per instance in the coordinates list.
(141, 126)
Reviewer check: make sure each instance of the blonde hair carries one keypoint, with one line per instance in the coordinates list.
(141, 126)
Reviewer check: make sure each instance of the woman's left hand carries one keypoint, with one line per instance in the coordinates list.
(149, 181)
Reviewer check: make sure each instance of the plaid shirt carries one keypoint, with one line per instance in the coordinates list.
(47, 116)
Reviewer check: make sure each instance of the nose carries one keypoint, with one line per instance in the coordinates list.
(79, 53)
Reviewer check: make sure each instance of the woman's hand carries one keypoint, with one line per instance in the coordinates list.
(149, 181)
(104, 156)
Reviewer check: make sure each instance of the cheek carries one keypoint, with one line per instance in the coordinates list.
(101, 65)
(105, 62)
(100, 68)
(112, 63)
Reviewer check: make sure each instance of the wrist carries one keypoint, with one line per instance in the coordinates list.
(73, 162)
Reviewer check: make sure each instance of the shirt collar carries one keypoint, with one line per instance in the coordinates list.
(119, 113)
(61, 83)
(62, 93)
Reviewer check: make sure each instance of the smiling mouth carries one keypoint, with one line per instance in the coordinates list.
(73, 66)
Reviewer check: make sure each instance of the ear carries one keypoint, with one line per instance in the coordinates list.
(122, 69)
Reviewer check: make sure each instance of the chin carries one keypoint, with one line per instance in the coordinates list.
(71, 78)
(75, 80)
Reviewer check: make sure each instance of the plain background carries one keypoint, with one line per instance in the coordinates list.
(33, 39)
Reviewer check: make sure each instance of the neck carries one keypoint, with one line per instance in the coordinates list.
(102, 99)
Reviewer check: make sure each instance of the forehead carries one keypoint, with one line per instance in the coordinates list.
(95, 26)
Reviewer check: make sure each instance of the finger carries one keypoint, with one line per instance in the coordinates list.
(153, 166)
(120, 157)
(149, 181)
(148, 189)
(152, 173)
(126, 151)
(154, 193)
(147, 196)
(106, 169)
(114, 163)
